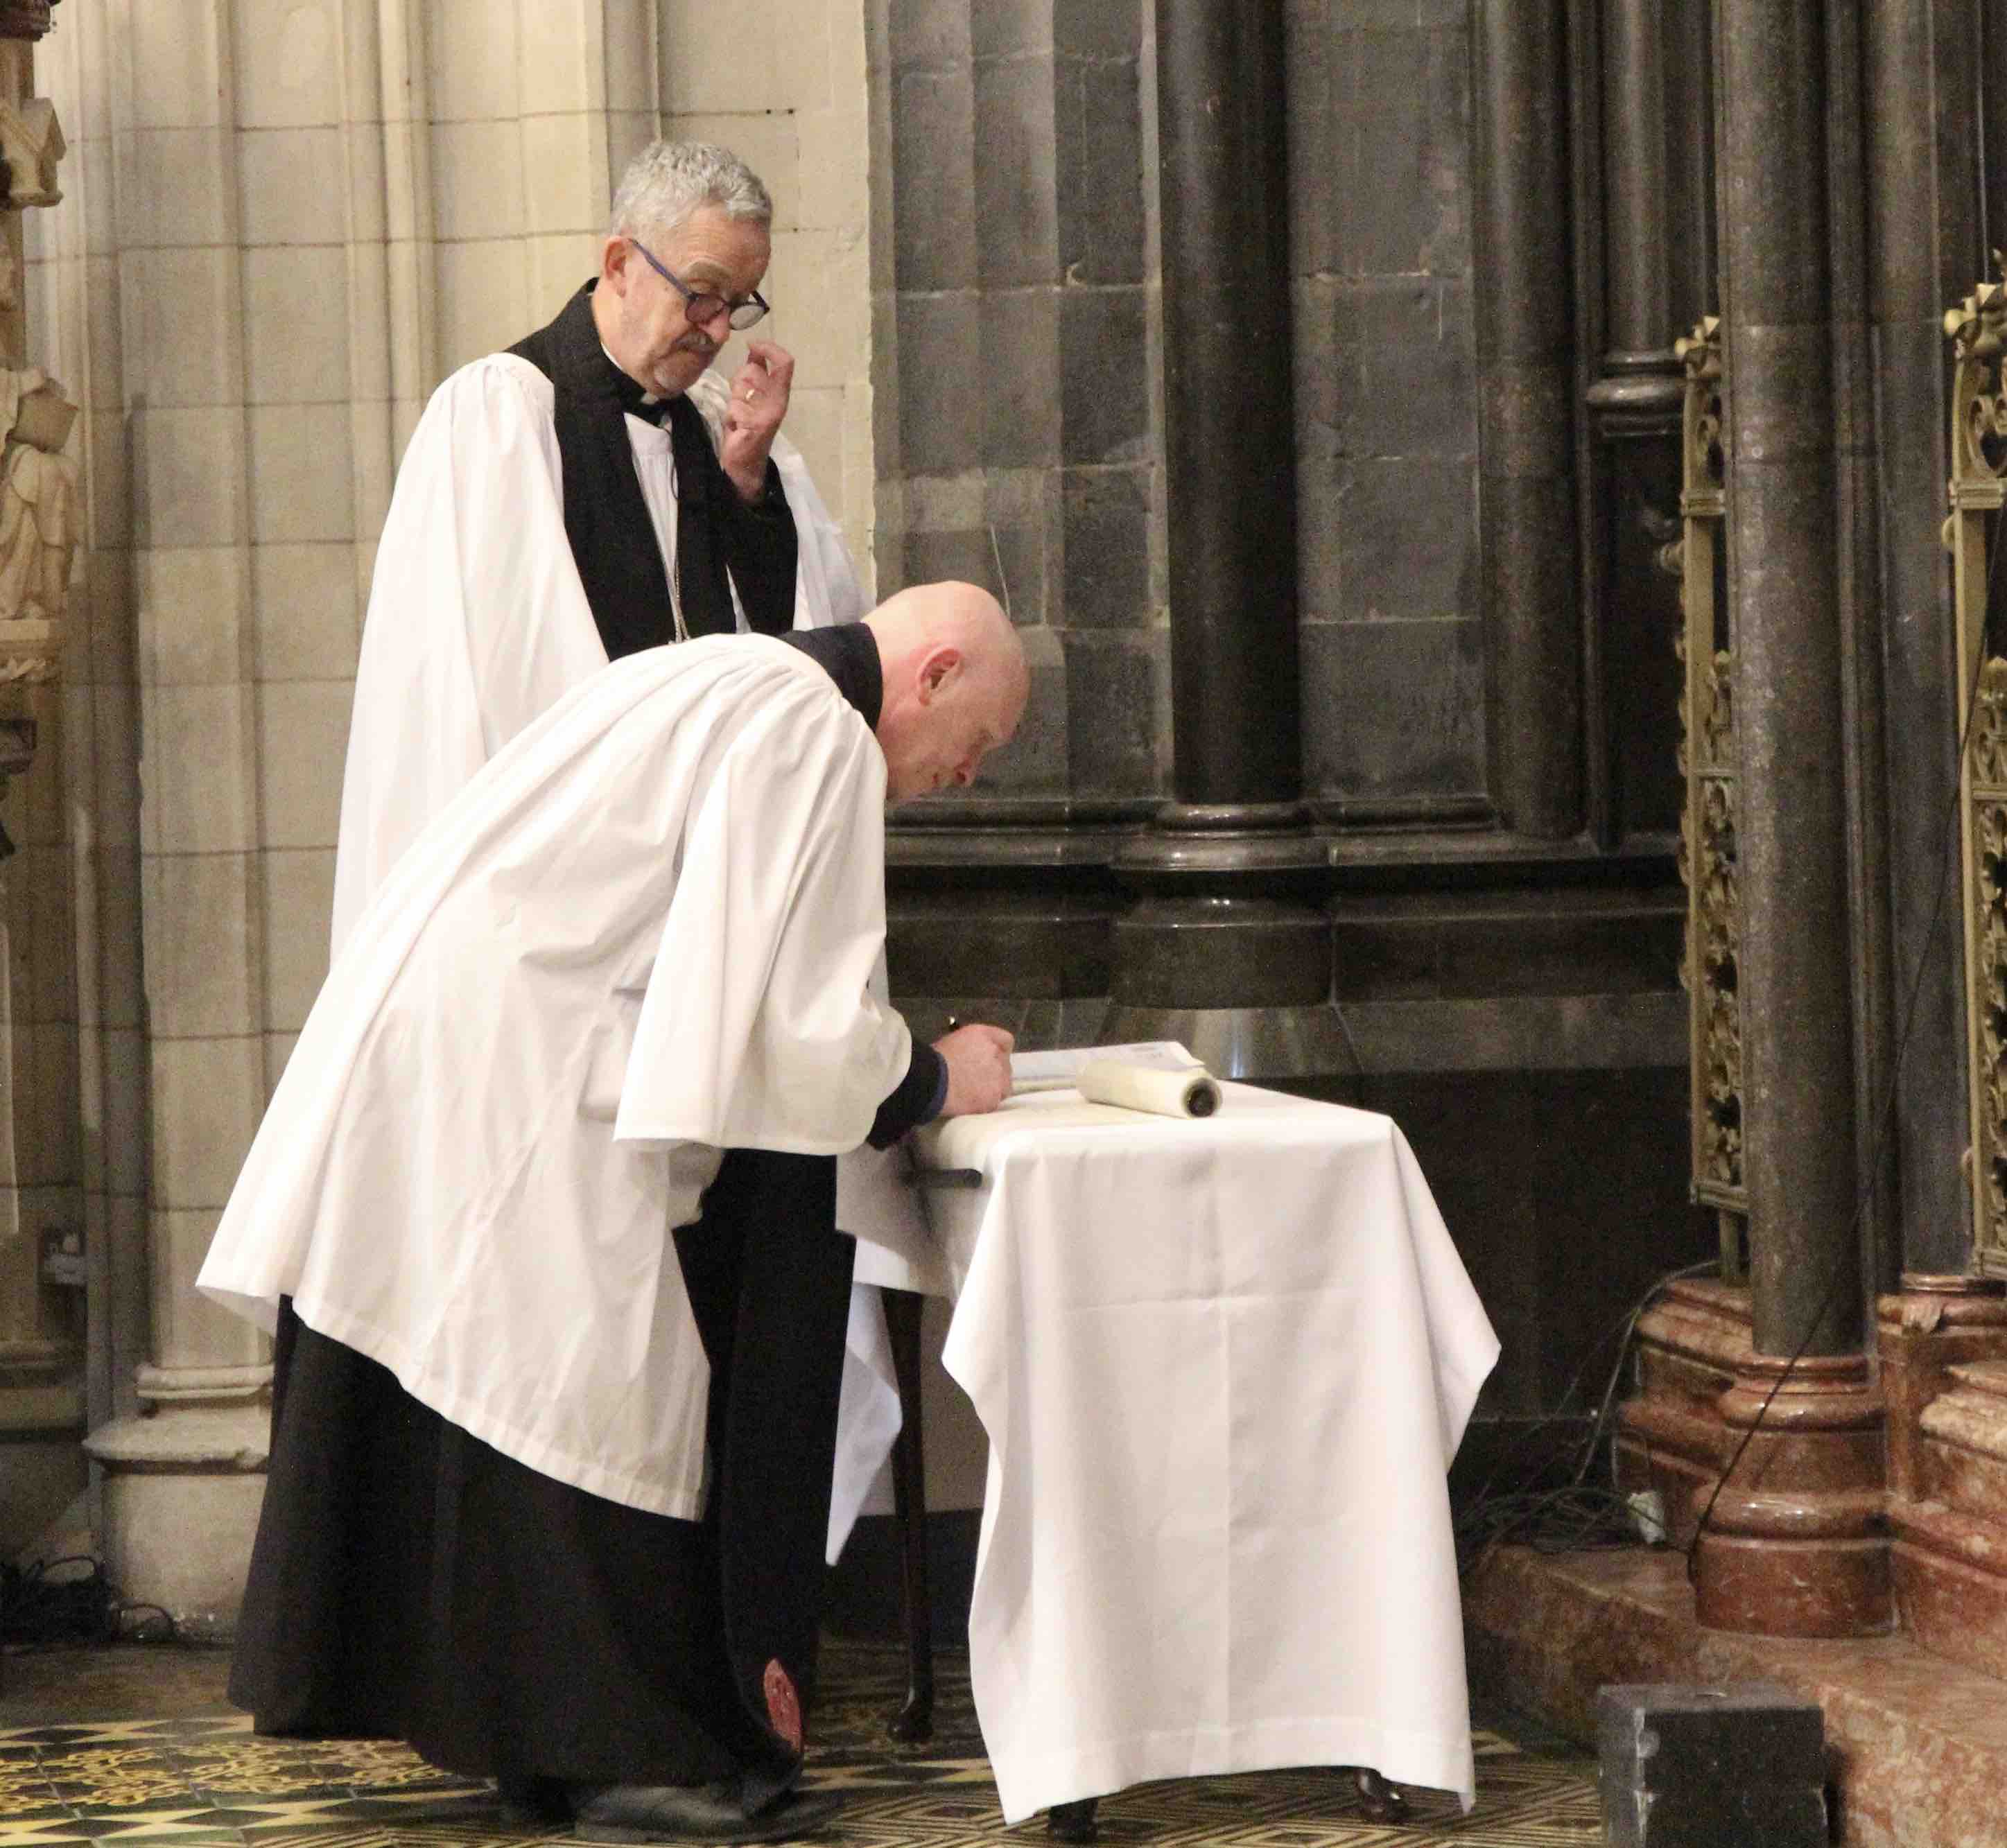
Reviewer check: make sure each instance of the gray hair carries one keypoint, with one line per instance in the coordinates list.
(668, 182)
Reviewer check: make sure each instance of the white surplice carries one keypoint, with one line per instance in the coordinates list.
(643, 932)
(477, 622)
(1223, 1365)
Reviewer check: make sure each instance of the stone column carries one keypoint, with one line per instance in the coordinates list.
(1654, 72)
(1219, 951)
(1993, 77)
(1790, 1546)
(41, 1254)
(182, 1480)
(41, 1386)
(72, 280)
(1228, 459)
(1526, 381)
(1925, 251)
(1643, 307)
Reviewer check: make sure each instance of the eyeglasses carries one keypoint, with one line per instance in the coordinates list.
(701, 305)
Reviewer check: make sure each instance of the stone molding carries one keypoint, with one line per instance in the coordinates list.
(1877, 1486)
(1672, 1437)
(1942, 1344)
(203, 1440)
(203, 1385)
(1794, 1543)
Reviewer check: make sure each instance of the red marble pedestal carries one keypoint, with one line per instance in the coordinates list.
(1943, 1346)
(1791, 1541)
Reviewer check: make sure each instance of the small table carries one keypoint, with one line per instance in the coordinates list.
(1223, 1366)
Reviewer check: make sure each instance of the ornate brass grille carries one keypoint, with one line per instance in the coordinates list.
(1708, 760)
(1978, 331)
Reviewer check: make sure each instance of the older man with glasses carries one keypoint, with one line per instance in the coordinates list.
(595, 491)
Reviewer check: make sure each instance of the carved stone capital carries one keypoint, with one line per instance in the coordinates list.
(30, 652)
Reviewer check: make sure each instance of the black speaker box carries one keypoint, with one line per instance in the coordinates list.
(1696, 1767)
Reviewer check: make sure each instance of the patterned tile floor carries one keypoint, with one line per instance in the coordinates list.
(202, 1778)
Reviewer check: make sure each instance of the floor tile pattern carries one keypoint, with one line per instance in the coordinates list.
(192, 1782)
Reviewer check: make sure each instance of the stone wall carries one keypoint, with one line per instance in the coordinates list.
(1014, 217)
(42, 1150)
(1380, 177)
(783, 81)
(1019, 331)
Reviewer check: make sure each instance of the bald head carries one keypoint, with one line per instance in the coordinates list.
(955, 684)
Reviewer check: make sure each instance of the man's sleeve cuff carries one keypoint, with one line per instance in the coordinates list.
(919, 1098)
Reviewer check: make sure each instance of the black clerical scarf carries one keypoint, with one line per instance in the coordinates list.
(612, 538)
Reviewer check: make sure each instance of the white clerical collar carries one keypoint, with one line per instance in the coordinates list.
(647, 397)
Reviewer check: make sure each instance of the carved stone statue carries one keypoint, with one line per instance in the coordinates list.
(38, 524)
(31, 145)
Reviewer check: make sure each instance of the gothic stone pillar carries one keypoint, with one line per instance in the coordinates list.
(41, 1261)
(1791, 1546)
(1221, 950)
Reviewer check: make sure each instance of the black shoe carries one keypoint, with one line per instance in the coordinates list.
(534, 1805)
(1073, 1822)
(711, 1813)
(1379, 1800)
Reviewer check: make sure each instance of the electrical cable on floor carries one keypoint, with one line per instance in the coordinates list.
(1578, 1515)
(38, 1607)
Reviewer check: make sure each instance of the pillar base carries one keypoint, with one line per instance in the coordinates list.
(41, 1431)
(1793, 1543)
(1944, 1370)
(1222, 950)
(41, 1461)
(183, 1487)
(1671, 1438)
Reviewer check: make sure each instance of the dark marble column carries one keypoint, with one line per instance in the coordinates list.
(1636, 145)
(1782, 588)
(1229, 449)
(1925, 252)
(1653, 63)
(1992, 30)
(1221, 950)
(1791, 1542)
(1526, 383)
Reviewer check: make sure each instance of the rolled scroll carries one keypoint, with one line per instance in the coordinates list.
(1190, 1091)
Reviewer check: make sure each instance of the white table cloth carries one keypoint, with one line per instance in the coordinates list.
(1223, 1366)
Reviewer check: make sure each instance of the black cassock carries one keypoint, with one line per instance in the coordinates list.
(410, 1582)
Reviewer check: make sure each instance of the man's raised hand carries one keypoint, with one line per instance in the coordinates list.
(759, 401)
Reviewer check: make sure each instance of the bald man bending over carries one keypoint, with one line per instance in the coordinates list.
(550, 1486)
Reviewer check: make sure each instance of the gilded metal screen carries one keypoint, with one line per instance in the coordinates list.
(1978, 331)
(1707, 828)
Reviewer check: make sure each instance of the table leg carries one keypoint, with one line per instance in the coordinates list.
(1073, 1821)
(914, 1721)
